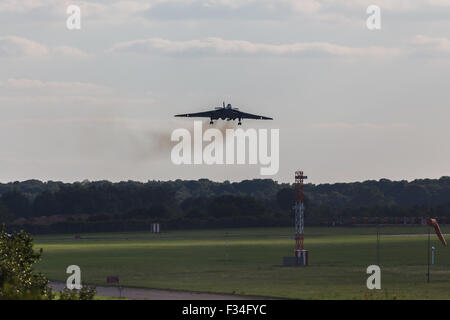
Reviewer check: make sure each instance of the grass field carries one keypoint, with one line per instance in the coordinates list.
(249, 261)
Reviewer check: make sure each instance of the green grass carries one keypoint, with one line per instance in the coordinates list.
(251, 263)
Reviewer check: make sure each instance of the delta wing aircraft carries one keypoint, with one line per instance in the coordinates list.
(225, 113)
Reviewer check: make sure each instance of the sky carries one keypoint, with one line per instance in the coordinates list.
(351, 104)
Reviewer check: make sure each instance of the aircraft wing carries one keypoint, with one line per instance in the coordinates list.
(205, 114)
(245, 115)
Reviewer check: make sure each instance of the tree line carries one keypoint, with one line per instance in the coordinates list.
(42, 207)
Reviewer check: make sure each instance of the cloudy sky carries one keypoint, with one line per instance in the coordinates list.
(98, 103)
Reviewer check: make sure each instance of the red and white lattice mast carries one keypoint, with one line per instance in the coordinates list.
(299, 209)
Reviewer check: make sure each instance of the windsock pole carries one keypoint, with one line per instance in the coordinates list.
(433, 223)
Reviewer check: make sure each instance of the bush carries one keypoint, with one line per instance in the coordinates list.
(85, 293)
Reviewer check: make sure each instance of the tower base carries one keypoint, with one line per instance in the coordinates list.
(300, 259)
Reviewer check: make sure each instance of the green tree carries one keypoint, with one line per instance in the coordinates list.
(5, 215)
(285, 198)
(18, 280)
(17, 277)
(17, 203)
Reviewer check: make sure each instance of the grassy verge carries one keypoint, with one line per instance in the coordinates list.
(248, 261)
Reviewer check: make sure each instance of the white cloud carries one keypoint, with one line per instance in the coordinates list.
(361, 125)
(441, 3)
(419, 46)
(19, 5)
(218, 46)
(230, 9)
(33, 92)
(397, 5)
(56, 9)
(276, 9)
(59, 99)
(429, 46)
(117, 11)
(132, 122)
(53, 85)
(67, 51)
(11, 46)
(17, 47)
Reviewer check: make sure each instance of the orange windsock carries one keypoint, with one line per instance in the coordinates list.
(433, 223)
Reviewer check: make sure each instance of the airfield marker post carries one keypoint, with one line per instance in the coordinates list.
(115, 279)
(432, 255)
(226, 247)
(155, 228)
(428, 272)
(378, 244)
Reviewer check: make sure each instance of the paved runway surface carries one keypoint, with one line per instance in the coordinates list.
(156, 294)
